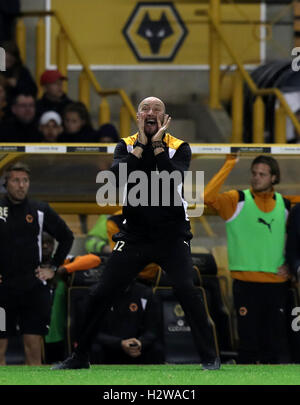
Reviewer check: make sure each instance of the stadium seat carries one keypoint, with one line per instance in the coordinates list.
(179, 346)
(85, 278)
(162, 279)
(205, 262)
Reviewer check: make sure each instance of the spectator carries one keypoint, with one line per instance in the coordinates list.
(97, 238)
(56, 338)
(50, 126)
(100, 240)
(255, 224)
(77, 124)
(130, 331)
(21, 126)
(107, 133)
(4, 109)
(18, 79)
(25, 299)
(8, 12)
(54, 98)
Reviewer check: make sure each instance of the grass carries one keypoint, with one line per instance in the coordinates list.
(153, 375)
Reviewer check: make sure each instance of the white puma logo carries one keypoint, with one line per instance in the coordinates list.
(186, 243)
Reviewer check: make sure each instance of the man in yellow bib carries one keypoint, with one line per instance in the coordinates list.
(255, 226)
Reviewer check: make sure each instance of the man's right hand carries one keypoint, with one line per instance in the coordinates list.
(0, 279)
(132, 347)
(141, 126)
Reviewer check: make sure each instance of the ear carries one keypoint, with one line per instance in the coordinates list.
(273, 178)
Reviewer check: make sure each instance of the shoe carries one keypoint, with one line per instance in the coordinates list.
(213, 365)
(73, 362)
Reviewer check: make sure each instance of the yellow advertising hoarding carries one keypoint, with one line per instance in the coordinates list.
(127, 32)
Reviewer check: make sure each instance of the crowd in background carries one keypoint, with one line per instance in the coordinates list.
(54, 117)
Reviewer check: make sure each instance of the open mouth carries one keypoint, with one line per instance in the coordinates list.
(150, 122)
(151, 125)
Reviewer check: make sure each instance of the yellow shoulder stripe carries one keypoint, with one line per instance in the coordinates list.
(130, 140)
(170, 140)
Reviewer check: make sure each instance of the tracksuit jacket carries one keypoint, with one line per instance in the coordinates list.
(155, 221)
(21, 228)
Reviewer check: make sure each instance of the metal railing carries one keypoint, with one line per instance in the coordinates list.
(217, 38)
(87, 77)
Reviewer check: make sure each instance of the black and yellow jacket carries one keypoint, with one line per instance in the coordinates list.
(155, 221)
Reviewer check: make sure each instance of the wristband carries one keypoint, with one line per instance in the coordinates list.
(54, 268)
(157, 144)
(139, 144)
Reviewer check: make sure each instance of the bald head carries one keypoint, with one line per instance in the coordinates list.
(151, 110)
(153, 101)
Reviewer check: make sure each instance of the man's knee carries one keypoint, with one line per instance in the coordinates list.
(33, 348)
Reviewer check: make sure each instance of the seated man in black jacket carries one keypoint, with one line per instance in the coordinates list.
(129, 332)
(25, 298)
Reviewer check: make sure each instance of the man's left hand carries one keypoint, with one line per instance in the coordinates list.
(283, 271)
(44, 273)
(161, 128)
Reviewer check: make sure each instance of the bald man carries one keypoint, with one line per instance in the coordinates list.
(156, 229)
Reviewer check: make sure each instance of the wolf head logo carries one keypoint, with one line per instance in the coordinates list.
(155, 31)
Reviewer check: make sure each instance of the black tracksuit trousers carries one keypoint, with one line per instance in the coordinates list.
(126, 261)
(262, 322)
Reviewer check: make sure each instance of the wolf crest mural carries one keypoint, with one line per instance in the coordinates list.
(155, 32)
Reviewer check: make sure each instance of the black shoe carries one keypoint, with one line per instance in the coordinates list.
(212, 365)
(72, 363)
